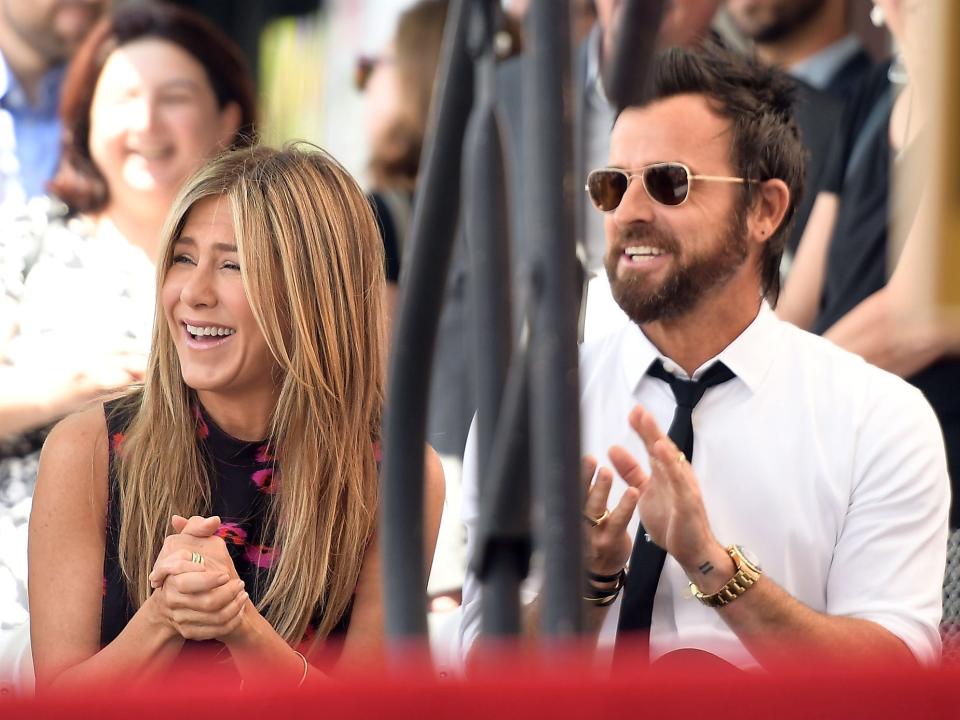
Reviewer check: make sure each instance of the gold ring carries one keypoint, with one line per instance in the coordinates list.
(681, 458)
(196, 557)
(596, 521)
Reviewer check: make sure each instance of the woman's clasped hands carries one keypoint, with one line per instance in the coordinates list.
(197, 591)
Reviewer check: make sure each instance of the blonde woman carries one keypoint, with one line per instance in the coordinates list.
(260, 416)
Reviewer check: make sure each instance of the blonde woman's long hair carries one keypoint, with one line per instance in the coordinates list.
(311, 262)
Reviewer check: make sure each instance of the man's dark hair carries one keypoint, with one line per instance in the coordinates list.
(765, 143)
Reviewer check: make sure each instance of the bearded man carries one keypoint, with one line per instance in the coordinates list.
(810, 39)
(831, 471)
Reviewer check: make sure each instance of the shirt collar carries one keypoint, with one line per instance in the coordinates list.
(819, 69)
(4, 77)
(749, 356)
(12, 95)
(594, 78)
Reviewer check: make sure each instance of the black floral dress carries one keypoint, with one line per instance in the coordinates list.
(243, 478)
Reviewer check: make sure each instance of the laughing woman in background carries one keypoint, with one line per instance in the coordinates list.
(152, 94)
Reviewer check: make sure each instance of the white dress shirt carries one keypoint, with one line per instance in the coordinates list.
(829, 470)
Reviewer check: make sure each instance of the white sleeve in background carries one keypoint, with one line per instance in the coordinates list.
(469, 514)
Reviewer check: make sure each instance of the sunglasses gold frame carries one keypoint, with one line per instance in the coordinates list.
(641, 173)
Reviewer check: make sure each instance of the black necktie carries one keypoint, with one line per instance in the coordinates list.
(646, 560)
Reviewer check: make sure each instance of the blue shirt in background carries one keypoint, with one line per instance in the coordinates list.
(29, 135)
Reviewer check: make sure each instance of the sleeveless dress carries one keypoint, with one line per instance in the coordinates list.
(241, 477)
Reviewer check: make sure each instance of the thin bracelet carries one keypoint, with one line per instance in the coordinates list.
(606, 578)
(305, 666)
(602, 597)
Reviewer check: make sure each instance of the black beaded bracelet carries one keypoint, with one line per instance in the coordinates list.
(621, 573)
(604, 596)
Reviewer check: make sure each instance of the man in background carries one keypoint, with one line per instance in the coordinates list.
(37, 37)
(812, 41)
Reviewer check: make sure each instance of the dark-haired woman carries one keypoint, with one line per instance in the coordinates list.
(152, 93)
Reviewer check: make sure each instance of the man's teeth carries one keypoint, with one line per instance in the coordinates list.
(643, 251)
(194, 330)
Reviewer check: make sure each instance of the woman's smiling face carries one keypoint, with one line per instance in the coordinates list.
(154, 119)
(221, 348)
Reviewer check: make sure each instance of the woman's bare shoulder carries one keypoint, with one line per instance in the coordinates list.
(434, 482)
(78, 431)
(76, 449)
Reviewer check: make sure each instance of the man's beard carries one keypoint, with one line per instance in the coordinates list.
(785, 20)
(687, 283)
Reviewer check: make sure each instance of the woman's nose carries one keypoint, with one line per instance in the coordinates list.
(198, 291)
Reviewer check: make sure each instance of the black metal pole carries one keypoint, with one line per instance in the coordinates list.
(502, 555)
(626, 78)
(431, 237)
(554, 408)
(486, 228)
(503, 550)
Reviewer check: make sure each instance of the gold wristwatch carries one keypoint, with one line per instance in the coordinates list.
(748, 572)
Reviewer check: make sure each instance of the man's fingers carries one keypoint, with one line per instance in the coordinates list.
(628, 467)
(588, 468)
(673, 463)
(646, 427)
(596, 502)
(620, 516)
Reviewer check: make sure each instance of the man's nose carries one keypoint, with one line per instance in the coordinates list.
(635, 205)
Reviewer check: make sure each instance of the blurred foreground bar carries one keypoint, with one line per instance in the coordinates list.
(946, 153)
(811, 689)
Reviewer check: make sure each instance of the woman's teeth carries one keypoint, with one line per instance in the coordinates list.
(217, 331)
(150, 154)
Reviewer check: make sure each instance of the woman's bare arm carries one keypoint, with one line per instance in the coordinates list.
(800, 299)
(365, 637)
(895, 328)
(66, 549)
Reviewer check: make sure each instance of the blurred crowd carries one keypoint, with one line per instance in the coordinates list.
(107, 108)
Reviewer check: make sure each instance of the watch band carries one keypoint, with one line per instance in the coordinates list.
(743, 579)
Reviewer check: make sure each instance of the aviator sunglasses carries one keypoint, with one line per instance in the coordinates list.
(667, 183)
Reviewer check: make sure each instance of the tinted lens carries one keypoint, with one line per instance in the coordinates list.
(667, 184)
(606, 188)
(362, 71)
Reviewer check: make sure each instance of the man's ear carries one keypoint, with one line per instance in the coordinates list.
(770, 203)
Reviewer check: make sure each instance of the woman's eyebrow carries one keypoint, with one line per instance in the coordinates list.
(223, 247)
(180, 83)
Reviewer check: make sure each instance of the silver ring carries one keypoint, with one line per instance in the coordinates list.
(196, 557)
